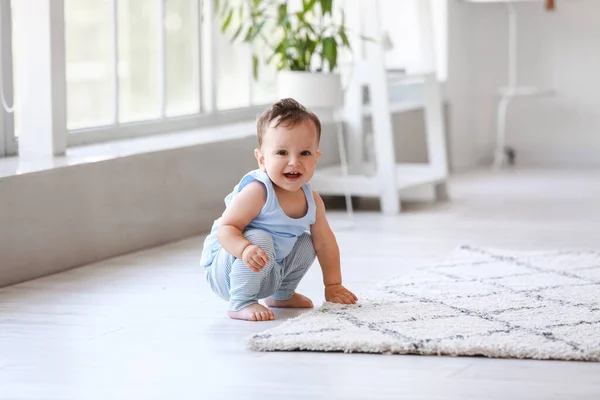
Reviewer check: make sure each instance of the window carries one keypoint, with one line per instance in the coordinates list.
(236, 87)
(131, 60)
(137, 67)
(144, 66)
(90, 73)
(232, 83)
(183, 61)
(7, 137)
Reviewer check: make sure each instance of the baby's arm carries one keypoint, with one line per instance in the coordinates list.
(244, 207)
(328, 254)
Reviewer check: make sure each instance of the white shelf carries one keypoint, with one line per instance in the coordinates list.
(397, 77)
(412, 103)
(379, 93)
(330, 181)
(401, 106)
(524, 91)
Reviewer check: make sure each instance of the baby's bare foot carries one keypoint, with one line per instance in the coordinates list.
(296, 301)
(253, 312)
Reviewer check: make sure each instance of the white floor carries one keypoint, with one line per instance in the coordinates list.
(145, 326)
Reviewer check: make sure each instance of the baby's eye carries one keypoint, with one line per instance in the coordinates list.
(281, 153)
(305, 153)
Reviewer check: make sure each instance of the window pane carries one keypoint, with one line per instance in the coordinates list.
(233, 69)
(235, 84)
(139, 69)
(264, 90)
(182, 63)
(89, 63)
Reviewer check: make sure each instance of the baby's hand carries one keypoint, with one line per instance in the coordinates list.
(254, 257)
(339, 294)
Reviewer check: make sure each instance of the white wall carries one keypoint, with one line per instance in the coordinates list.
(560, 50)
(66, 217)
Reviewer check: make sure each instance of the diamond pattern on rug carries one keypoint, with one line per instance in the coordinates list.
(538, 281)
(542, 305)
(563, 261)
(493, 304)
(591, 274)
(572, 295)
(493, 269)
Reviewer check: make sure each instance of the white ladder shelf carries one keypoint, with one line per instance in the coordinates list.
(390, 178)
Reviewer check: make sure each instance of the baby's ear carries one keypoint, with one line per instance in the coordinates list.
(319, 152)
(260, 158)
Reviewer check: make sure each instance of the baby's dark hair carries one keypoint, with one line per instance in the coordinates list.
(287, 112)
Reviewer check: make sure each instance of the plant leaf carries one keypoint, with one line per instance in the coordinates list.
(227, 21)
(330, 52)
(282, 47)
(237, 33)
(255, 66)
(282, 14)
(241, 11)
(256, 31)
(301, 49)
(220, 8)
(307, 6)
(281, 51)
(311, 45)
(344, 38)
(303, 25)
(326, 6)
(248, 34)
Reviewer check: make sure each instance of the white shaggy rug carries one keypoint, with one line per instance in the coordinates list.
(543, 305)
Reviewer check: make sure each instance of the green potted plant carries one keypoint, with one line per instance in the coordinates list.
(302, 42)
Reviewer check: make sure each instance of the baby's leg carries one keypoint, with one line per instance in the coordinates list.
(217, 274)
(295, 266)
(247, 286)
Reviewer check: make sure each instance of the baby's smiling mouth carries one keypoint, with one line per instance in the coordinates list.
(292, 175)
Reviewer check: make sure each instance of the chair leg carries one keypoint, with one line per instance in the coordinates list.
(344, 168)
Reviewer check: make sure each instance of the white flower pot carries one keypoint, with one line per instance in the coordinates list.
(311, 89)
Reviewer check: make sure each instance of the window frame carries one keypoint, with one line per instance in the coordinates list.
(8, 141)
(206, 116)
(163, 124)
(133, 130)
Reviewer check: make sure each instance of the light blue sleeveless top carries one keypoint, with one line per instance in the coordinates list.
(284, 229)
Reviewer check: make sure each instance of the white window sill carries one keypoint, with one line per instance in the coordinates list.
(12, 166)
(77, 155)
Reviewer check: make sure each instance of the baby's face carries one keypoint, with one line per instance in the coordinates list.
(289, 154)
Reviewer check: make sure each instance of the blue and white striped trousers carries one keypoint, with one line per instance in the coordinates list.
(232, 280)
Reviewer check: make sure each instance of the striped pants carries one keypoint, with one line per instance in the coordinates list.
(232, 280)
